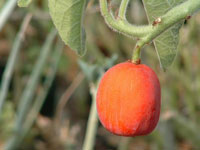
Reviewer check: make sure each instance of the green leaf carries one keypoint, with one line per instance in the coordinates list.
(24, 3)
(67, 16)
(166, 44)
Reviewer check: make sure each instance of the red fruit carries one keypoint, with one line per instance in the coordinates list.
(128, 99)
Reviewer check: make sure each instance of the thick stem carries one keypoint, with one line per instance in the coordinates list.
(172, 17)
(120, 25)
(122, 9)
(149, 32)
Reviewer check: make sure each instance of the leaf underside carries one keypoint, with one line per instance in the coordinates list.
(67, 15)
(166, 44)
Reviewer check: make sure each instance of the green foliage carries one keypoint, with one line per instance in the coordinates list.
(24, 3)
(180, 84)
(67, 16)
(7, 120)
(166, 44)
(94, 71)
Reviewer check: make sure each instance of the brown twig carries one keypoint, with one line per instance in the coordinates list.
(65, 97)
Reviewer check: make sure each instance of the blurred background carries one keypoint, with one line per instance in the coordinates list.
(47, 90)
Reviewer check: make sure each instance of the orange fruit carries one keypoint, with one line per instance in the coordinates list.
(129, 99)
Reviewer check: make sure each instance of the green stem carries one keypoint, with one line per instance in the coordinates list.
(92, 124)
(122, 26)
(149, 32)
(16, 140)
(137, 52)
(27, 95)
(12, 61)
(122, 9)
(47, 84)
(172, 17)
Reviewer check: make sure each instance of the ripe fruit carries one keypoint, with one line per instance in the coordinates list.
(128, 99)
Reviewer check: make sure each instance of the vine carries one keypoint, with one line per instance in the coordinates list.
(146, 33)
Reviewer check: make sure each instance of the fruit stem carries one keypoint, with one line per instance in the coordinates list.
(136, 55)
(137, 51)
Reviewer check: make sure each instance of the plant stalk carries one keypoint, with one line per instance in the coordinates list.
(172, 17)
(12, 61)
(120, 25)
(27, 95)
(149, 32)
(92, 124)
(123, 9)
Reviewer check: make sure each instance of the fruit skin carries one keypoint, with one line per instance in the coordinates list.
(129, 99)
